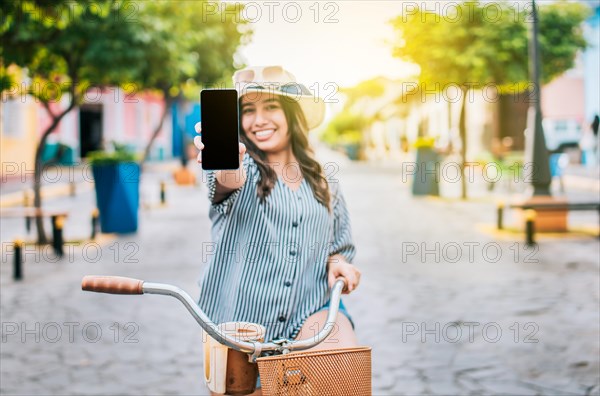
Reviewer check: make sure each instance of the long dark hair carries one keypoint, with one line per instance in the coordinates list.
(310, 168)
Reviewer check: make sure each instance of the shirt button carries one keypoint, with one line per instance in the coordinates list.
(282, 318)
(288, 283)
(292, 252)
(295, 224)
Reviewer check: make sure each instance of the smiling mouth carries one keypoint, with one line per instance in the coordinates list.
(264, 134)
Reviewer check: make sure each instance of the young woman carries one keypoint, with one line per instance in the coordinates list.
(281, 229)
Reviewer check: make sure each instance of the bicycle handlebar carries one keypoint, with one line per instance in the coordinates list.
(122, 285)
(112, 284)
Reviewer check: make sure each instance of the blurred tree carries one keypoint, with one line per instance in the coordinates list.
(372, 88)
(345, 128)
(192, 44)
(67, 47)
(476, 46)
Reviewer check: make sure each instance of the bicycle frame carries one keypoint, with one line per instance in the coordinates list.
(121, 285)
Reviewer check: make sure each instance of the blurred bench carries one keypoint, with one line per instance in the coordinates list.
(57, 218)
(544, 206)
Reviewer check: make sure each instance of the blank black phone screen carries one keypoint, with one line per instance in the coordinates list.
(220, 126)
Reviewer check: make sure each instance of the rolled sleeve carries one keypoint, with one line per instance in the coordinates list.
(342, 232)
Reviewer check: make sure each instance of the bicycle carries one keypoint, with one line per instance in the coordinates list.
(284, 369)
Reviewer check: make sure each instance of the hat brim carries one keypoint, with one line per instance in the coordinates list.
(313, 107)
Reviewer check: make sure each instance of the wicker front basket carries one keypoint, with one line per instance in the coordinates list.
(340, 372)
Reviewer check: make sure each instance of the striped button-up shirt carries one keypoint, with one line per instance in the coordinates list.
(268, 262)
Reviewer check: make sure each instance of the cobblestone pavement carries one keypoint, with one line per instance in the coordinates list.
(448, 306)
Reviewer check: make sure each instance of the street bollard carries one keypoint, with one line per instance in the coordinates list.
(530, 227)
(27, 198)
(163, 197)
(18, 264)
(57, 234)
(27, 203)
(95, 214)
(500, 214)
(72, 188)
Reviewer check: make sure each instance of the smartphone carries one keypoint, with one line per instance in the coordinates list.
(219, 115)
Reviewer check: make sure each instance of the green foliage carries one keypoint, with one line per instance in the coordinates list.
(345, 128)
(121, 153)
(68, 46)
(509, 165)
(561, 36)
(369, 88)
(7, 81)
(189, 47)
(473, 48)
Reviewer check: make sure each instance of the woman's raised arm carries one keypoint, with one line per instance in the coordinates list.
(227, 180)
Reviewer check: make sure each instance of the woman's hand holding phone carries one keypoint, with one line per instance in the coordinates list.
(228, 180)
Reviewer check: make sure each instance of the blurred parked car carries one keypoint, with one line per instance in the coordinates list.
(561, 134)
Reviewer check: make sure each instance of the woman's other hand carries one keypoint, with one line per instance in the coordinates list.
(338, 266)
(200, 146)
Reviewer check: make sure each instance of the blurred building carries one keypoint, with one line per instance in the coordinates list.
(107, 115)
(407, 110)
(569, 102)
(563, 108)
(495, 122)
(591, 64)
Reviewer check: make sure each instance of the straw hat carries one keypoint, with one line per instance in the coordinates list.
(275, 80)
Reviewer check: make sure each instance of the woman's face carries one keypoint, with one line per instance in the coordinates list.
(264, 122)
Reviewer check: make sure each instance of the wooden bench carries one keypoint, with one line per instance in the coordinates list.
(57, 218)
(544, 206)
(560, 206)
(31, 213)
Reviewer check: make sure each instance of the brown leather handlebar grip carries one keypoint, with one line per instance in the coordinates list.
(112, 284)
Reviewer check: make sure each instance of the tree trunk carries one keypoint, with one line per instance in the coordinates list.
(168, 103)
(462, 127)
(450, 149)
(37, 170)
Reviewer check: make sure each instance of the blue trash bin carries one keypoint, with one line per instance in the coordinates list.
(117, 196)
(558, 163)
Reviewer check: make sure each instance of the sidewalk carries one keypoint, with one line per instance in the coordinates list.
(58, 180)
(447, 309)
(582, 177)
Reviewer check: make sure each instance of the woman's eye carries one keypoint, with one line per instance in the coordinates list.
(247, 110)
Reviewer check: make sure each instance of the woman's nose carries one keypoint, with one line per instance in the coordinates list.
(260, 118)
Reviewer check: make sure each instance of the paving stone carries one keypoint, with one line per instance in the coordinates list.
(394, 292)
(383, 382)
(442, 387)
(408, 387)
(508, 388)
(593, 390)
